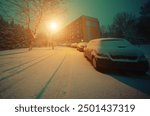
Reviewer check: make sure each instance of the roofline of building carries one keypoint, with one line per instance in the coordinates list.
(81, 17)
(88, 17)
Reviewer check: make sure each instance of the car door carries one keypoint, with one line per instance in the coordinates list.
(91, 48)
(88, 49)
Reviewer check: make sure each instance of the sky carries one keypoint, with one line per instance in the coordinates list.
(104, 10)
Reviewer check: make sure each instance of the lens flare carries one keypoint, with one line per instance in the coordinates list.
(53, 26)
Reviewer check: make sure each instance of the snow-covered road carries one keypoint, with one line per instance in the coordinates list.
(63, 73)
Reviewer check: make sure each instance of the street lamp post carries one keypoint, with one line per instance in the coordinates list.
(53, 27)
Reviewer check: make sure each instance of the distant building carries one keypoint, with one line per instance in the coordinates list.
(82, 29)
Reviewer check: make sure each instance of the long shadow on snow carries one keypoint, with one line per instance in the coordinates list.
(140, 82)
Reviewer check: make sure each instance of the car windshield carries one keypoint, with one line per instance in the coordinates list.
(115, 43)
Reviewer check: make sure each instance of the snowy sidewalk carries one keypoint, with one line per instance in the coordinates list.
(14, 51)
(21, 50)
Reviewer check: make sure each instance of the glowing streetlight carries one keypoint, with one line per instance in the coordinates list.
(53, 27)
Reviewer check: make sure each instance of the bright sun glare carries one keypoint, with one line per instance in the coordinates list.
(53, 26)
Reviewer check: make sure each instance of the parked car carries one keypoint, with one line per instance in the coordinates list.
(74, 45)
(81, 46)
(116, 53)
(68, 44)
(63, 44)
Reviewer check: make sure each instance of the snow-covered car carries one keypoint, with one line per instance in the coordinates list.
(74, 45)
(116, 53)
(81, 46)
(68, 44)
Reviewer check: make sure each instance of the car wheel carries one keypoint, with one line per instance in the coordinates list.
(94, 62)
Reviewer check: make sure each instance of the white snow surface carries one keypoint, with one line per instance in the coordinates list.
(64, 73)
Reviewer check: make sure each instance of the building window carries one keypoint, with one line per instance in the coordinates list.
(89, 23)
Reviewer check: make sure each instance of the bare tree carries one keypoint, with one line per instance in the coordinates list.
(30, 13)
(124, 25)
(144, 22)
(122, 22)
(105, 31)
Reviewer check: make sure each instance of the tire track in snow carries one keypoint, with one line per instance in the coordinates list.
(18, 79)
(13, 53)
(14, 58)
(13, 71)
(24, 63)
(42, 91)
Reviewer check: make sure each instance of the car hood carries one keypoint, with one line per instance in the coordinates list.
(122, 50)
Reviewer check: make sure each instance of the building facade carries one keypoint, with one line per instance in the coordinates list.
(82, 29)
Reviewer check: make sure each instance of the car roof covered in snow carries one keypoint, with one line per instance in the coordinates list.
(105, 39)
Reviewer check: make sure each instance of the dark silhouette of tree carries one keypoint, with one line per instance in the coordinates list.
(104, 32)
(3, 23)
(144, 22)
(3, 29)
(12, 35)
(31, 13)
(145, 9)
(122, 22)
(124, 26)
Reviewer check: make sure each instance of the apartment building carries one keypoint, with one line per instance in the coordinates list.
(84, 28)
